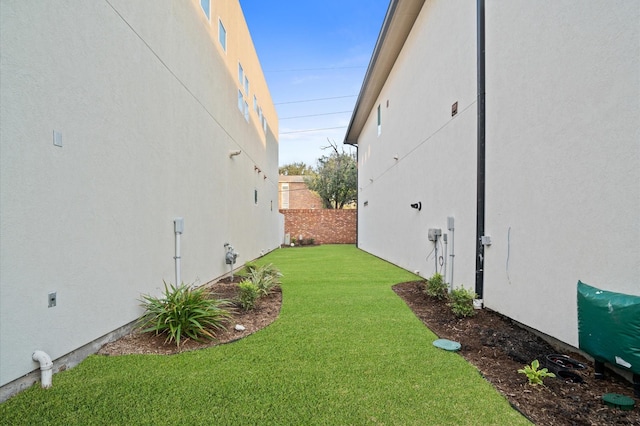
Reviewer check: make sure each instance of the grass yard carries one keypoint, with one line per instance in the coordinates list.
(345, 351)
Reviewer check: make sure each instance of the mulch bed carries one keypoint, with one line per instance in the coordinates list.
(498, 347)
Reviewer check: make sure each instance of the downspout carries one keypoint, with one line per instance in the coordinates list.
(46, 368)
(480, 193)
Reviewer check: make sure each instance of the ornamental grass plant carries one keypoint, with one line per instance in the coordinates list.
(183, 312)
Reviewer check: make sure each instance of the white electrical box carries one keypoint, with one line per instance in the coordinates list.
(485, 240)
(178, 225)
(434, 233)
(450, 223)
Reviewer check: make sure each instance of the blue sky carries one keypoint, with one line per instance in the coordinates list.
(309, 50)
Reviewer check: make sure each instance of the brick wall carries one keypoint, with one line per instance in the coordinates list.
(300, 197)
(325, 226)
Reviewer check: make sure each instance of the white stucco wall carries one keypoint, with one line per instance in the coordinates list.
(563, 149)
(146, 103)
(436, 152)
(562, 153)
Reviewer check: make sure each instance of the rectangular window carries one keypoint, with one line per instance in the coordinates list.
(206, 8)
(222, 35)
(240, 101)
(264, 123)
(246, 111)
(285, 196)
(379, 121)
(255, 103)
(246, 85)
(240, 73)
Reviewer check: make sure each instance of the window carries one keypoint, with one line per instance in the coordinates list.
(379, 121)
(255, 103)
(246, 85)
(240, 101)
(206, 8)
(246, 111)
(240, 73)
(222, 35)
(255, 196)
(264, 123)
(285, 196)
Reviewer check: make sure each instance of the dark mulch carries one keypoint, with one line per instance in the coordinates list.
(498, 348)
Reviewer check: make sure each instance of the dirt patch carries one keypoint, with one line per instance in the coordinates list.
(498, 348)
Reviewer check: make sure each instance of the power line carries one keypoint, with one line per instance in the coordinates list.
(313, 130)
(315, 115)
(312, 100)
(316, 69)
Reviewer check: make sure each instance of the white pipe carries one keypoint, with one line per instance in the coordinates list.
(452, 256)
(46, 368)
(444, 266)
(177, 258)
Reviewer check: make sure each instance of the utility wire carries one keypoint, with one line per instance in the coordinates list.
(316, 69)
(312, 130)
(313, 100)
(315, 115)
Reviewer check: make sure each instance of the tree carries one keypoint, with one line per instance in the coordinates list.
(335, 178)
(295, 169)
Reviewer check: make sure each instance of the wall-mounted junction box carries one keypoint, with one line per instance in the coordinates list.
(52, 298)
(434, 233)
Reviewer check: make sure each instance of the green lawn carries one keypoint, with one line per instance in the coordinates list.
(344, 351)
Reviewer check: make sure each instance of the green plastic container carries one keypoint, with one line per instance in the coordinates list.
(609, 326)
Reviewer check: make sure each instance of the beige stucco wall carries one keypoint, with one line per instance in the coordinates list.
(146, 103)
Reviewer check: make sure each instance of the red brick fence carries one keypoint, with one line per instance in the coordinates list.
(325, 226)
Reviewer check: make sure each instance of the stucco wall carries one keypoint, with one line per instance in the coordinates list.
(562, 153)
(563, 149)
(145, 101)
(435, 151)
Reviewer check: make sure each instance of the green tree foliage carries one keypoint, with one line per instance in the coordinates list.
(295, 169)
(335, 179)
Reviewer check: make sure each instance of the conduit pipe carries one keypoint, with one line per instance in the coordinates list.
(178, 228)
(46, 368)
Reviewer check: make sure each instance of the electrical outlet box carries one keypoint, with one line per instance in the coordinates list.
(434, 233)
(485, 240)
(52, 298)
(178, 225)
(450, 223)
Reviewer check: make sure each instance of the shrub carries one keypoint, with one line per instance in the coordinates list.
(183, 312)
(436, 287)
(248, 295)
(534, 375)
(461, 302)
(265, 278)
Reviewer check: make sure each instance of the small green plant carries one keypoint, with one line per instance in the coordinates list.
(461, 302)
(535, 375)
(248, 268)
(436, 287)
(248, 294)
(183, 312)
(265, 278)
